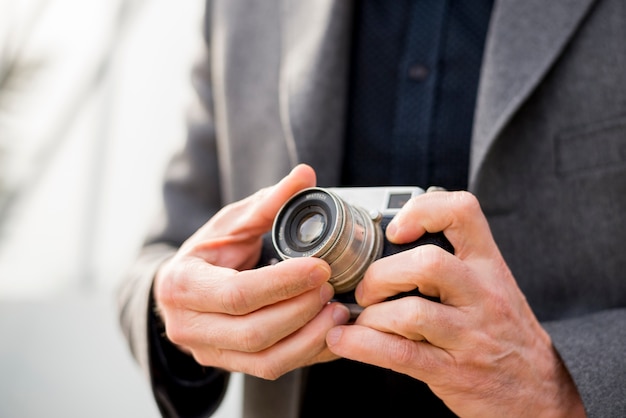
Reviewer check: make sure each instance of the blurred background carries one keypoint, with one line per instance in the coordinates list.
(92, 101)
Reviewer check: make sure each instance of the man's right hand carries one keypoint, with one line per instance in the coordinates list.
(263, 322)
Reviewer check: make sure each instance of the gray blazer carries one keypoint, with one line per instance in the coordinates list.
(548, 160)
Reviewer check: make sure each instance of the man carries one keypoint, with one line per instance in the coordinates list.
(532, 303)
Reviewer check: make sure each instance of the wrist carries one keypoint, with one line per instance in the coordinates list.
(569, 401)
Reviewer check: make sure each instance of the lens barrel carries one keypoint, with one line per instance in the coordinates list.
(317, 222)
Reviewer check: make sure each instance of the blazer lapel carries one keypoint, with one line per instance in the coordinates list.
(524, 40)
(313, 90)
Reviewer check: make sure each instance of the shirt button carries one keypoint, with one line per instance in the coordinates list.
(418, 72)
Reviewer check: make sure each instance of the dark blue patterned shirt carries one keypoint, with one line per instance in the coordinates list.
(414, 77)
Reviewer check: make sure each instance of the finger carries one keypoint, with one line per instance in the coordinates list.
(416, 319)
(253, 332)
(420, 360)
(457, 214)
(201, 287)
(304, 347)
(428, 268)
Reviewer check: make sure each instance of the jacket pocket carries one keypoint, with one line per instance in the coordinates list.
(593, 147)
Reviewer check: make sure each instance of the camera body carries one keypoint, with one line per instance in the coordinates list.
(346, 228)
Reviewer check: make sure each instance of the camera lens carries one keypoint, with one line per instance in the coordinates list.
(311, 228)
(306, 226)
(318, 223)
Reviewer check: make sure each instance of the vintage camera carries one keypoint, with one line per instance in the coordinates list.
(346, 228)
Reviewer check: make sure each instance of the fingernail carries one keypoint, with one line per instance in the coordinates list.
(319, 274)
(326, 292)
(333, 336)
(341, 314)
(392, 229)
(358, 293)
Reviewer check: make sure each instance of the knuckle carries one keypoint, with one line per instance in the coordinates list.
(415, 313)
(202, 359)
(252, 339)
(466, 202)
(177, 334)
(164, 295)
(233, 299)
(173, 283)
(268, 370)
(429, 257)
(208, 357)
(404, 352)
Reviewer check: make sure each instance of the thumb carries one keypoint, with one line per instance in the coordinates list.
(255, 214)
(273, 198)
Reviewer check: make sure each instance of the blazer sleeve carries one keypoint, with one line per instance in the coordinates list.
(592, 348)
(191, 195)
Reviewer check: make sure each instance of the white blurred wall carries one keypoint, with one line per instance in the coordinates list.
(84, 138)
(86, 154)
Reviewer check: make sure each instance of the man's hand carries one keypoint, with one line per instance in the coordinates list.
(481, 350)
(264, 322)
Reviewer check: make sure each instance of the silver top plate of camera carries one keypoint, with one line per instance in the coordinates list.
(386, 200)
